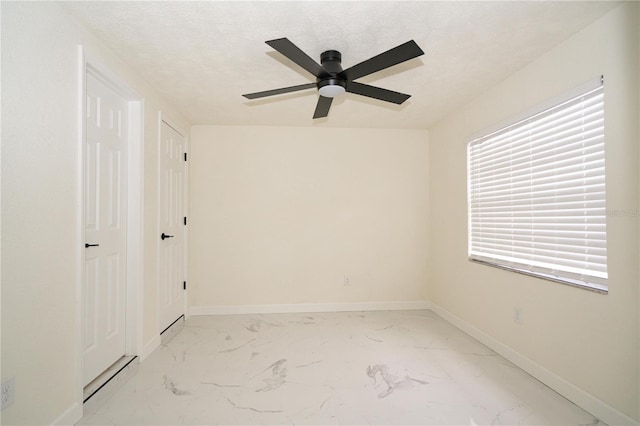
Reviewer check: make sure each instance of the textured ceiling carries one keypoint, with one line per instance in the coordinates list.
(202, 56)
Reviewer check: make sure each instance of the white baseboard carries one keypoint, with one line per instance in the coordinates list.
(150, 347)
(588, 402)
(70, 416)
(308, 308)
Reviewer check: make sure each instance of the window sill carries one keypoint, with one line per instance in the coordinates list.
(597, 288)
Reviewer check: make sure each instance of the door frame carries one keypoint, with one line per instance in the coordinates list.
(185, 311)
(90, 64)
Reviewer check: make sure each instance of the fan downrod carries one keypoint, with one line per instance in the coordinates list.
(331, 61)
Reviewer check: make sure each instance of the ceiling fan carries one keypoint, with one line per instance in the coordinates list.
(332, 80)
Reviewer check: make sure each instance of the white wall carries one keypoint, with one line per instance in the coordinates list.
(280, 215)
(41, 252)
(587, 339)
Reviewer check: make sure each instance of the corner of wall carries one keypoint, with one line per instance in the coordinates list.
(588, 402)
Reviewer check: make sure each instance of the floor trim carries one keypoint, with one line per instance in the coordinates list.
(107, 376)
(308, 308)
(585, 400)
(171, 331)
(150, 347)
(71, 415)
(100, 390)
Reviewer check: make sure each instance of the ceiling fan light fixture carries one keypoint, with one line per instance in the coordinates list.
(332, 80)
(332, 87)
(331, 91)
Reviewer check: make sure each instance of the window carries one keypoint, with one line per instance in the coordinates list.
(537, 194)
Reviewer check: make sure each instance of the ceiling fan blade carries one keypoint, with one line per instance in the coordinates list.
(322, 107)
(279, 91)
(376, 92)
(398, 54)
(293, 52)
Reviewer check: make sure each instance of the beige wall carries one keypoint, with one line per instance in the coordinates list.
(41, 253)
(588, 339)
(280, 215)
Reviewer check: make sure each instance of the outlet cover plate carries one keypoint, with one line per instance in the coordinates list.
(8, 392)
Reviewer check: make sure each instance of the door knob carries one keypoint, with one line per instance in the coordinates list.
(90, 245)
(163, 236)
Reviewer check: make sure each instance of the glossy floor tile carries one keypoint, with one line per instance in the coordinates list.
(387, 367)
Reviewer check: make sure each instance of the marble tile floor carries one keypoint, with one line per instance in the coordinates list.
(348, 368)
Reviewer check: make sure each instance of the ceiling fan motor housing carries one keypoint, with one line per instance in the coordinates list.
(332, 83)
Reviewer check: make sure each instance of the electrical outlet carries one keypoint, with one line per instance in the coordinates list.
(517, 315)
(347, 280)
(8, 392)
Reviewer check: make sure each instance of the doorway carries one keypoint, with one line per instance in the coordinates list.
(172, 221)
(111, 207)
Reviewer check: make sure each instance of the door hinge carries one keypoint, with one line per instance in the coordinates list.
(184, 285)
(185, 220)
(185, 156)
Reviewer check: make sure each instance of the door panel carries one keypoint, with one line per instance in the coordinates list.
(105, 225)
(170, 222)
(90, 320)
(112, 292)
(114, 187)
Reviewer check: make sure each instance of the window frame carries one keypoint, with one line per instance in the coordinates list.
(601, 284)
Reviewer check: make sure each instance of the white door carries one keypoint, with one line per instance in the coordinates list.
(171, 225)
(105, 227)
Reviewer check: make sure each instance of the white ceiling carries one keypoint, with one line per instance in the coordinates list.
(202, 56)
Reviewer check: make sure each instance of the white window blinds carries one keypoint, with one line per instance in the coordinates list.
(537, 194)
